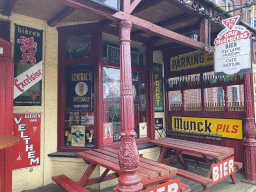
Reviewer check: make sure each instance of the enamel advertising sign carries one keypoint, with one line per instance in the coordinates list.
(232, 49)
(27, 126)
(28, 73)
(228, 128)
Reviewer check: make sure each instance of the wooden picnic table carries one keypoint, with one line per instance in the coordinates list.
(151, 172)
(7, 141)
(212, 154)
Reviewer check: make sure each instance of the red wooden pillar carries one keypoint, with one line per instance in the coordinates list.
(249, 131)
(128, 154)
(6, 113)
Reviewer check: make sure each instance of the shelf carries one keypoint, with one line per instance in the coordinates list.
(202, 86)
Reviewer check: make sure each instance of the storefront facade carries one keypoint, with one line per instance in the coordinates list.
(80, 97)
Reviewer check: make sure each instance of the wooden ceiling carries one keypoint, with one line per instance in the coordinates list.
(164, 15)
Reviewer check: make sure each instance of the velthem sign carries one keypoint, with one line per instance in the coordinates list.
(232, 49)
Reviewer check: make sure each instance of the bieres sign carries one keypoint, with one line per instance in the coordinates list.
(232, 49)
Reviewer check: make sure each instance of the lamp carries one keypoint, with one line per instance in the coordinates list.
(192, 34)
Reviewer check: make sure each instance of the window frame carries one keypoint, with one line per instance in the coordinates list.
(95, 30)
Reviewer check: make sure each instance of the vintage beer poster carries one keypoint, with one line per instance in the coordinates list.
(27, 127)
(108, 132)
(78, 135)
(143, 129)
(28, 66)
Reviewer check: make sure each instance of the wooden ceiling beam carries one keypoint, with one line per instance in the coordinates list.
(60, 16)
(125, 6)
(167, 22)
(136, 22)
(142, 6)
(166, 46)
(134, 5)
(8, 6)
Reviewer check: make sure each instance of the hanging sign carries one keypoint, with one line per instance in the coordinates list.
(232, 49)
(229, 128)
(158, 87)
(28, 66)
(27, 127)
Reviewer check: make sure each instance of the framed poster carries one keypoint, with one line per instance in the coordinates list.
(143, 129)
(158, 87)
(108, 132)
(78, 136)
(28, 66)
(27, 127)
(158, 123)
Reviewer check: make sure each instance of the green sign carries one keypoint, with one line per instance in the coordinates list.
(158, 87)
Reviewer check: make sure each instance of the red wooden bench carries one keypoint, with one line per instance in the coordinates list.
(68, 184)
(151, 172)
(210, 153)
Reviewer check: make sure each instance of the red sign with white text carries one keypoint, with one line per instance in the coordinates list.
(222, 170)
(27, 127)
(173, 186)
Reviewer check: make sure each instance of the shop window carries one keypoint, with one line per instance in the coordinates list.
(78, 46)
(214, 99)
(112, 110)
(236, 97)
(80, 106)
(175, 100)
(193, 99)
(5, 30)
(111, 50)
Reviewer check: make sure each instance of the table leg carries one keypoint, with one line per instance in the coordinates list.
(233, 178)
(162, 155)
(181, 159)
(87, 174)
(103, 175)
(212, 162)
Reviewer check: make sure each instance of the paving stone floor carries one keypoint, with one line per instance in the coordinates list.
(201, 168)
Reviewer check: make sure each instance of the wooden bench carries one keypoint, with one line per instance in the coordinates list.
(212, 154)
(151, 172)
(204, 181)
(184, 188)
(68, 184)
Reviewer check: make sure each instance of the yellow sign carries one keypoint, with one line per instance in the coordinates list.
(191, 60)
(229, 128)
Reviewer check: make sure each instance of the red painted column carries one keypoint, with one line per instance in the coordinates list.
(128, 154)
(6, 113)
(249, 131)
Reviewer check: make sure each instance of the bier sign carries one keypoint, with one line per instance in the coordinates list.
(232, 49)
